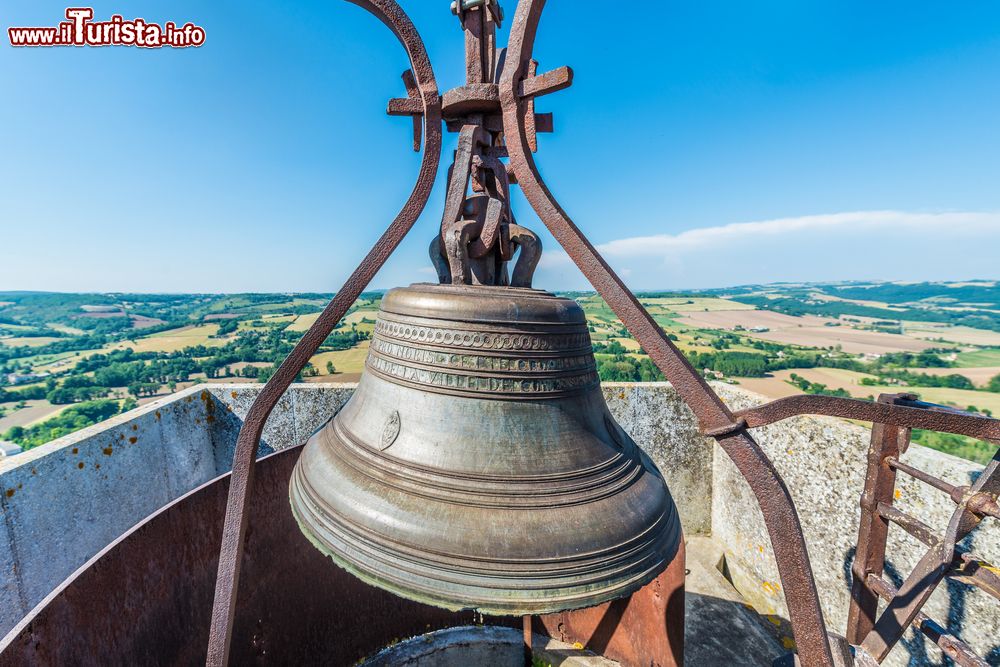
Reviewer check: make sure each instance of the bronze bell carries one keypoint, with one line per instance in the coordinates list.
(477, 465)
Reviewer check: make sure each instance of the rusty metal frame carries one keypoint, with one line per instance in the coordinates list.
(877, 634)
(894, 416)
(515, 91)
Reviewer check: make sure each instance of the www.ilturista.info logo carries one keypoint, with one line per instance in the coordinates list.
(80, 30)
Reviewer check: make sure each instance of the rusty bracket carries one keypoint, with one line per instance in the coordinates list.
(412, 106)
(935, 565)
(894, 415)
(726, 430)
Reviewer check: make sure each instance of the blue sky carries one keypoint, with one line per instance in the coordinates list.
(704, 144)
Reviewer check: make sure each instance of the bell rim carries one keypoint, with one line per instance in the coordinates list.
(570, 598)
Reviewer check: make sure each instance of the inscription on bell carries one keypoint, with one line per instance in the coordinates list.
(390, 432)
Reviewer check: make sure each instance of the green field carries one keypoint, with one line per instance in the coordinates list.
(174, 340)
(266, 320)
(692, 304)
(28, 341)
(345, 362)
(794, 325)
(978, 358)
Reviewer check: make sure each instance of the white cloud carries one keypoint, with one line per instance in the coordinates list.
(859, 245)
(859, 221)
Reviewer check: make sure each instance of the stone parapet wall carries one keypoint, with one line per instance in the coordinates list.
(823, 461)
(63, 502)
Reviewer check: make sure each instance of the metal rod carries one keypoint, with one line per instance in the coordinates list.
(910, 524)
(924, 477)
(528, 654)
(904, 413)
(951, 645)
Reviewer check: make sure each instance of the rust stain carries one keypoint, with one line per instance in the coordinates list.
(107, 450)
(133, 439)
(205, 395)
(135, 427)
(209, 410)
(233, 394)
(80, 465)
(76, 450)
(197, 421)
(10, 493)
(158, 415)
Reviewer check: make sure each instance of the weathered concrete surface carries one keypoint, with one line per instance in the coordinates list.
(823, 461)
(481, 645)
(62, 502)
(300, 413)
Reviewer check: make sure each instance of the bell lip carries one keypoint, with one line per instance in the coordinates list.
(568, 602)
(483, 303)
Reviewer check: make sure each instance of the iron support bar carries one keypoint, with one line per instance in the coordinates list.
(911, 525)
(241, 485)
(916, 473)
(782, 521)
(869, 558)
(909, 414)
